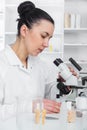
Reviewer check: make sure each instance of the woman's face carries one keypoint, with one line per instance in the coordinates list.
(37, 38)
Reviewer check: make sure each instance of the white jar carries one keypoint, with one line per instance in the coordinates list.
(81, 103)
(63, 116)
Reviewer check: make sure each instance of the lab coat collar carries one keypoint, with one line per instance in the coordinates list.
(15, 61)
(12, 57)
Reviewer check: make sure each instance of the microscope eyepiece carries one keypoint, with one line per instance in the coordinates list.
(78, 67)
(57, 61)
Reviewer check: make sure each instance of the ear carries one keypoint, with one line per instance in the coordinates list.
(23, 30)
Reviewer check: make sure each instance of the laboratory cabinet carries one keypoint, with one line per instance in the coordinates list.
(75, 31)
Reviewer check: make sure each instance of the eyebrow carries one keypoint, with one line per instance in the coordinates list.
(48, 34)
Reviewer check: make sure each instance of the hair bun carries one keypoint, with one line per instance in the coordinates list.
(24, 7)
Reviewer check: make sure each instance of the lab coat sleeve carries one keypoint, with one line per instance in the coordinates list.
(51, 89)
(6, 110)
(51, 75)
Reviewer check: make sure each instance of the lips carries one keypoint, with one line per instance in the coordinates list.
(40, 50)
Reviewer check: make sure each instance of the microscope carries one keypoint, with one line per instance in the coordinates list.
(65, 73)
(70, 81)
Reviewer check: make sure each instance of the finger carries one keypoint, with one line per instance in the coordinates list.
(52, 106)
(49, 112)
(52, 109)
(73, 71)
(52, 103)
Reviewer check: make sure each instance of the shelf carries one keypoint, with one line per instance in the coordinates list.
(11, 5)
(79, 62)
(73, 44)
(82, 62)
(10, 33)
(75, 29)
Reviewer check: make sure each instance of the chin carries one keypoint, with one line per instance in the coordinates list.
(36, 54)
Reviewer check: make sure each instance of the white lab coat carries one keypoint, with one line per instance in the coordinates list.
(39, 79)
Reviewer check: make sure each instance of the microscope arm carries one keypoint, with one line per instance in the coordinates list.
(63, 88)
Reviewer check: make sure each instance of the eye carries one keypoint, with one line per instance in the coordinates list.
(43, 36)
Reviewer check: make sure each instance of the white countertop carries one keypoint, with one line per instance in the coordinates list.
(26, 122)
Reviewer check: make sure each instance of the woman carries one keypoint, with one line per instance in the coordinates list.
(21, 70)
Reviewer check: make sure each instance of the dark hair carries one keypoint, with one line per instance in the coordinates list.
(29, 14)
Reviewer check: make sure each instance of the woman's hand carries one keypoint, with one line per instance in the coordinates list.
(51, 106)
(72, 71)
(60, 85)
(60, 79)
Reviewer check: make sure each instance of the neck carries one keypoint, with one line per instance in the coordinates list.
(20, 51)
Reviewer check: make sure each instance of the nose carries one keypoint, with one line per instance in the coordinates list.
(46, 43)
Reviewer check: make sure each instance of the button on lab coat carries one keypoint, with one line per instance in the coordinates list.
(39, 79)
